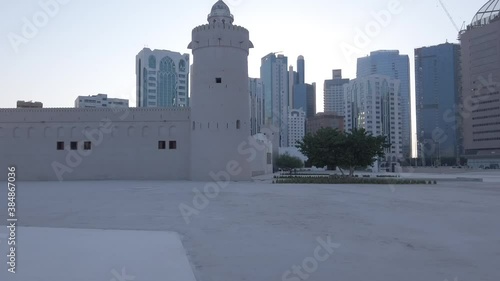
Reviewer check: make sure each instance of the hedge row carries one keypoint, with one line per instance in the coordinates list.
(348, 180)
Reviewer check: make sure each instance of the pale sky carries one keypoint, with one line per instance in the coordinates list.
(87, 47)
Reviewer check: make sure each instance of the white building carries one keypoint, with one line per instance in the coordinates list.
(162, 78)
(296, 126)
(99, 101)
(209, 142)
(373, 103)
(334, 93)
(256, 89)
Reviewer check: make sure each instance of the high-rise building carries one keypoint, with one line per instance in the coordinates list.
(372, 103)
(305, 98)
(162, 78)
(301, 70)
(29, 104)
(437, 93)
(396, 66)
(324, 120)
(292, 80)
(99, 101)
(334, 93)
(275, 78)
(256, 89)
(480, 48)
(304, 95)
(296, 126)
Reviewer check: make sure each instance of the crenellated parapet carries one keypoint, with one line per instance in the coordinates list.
(220, 34)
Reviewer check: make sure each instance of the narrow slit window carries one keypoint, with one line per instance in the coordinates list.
(238, 125)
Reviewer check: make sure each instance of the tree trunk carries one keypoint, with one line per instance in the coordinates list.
(351, 171)
(341, 171)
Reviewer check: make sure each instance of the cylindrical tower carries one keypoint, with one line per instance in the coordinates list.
(220, 109)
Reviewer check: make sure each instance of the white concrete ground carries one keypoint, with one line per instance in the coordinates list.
(91, 254)
(260, 231)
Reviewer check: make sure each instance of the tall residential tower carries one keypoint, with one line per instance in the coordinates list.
(275, 78)
(437, 82)
(396, 66)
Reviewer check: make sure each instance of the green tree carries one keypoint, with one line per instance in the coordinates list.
(361, 149)
(289, 163)
(324, 148)
(332, 148)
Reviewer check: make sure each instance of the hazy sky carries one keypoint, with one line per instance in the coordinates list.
(87, 47)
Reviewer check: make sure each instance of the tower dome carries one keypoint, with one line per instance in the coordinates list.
(220, 13)
(488, 12)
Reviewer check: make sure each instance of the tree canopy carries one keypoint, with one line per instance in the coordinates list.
(351, 150)
(288, 162)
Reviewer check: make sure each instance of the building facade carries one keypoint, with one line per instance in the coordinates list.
(391, 63)
(29, 104)
(372, 103)
(256, 89)
(305, 98)
(162, 78)
(99, 101)
(437, 93)
(333, 91)
(480, 47)
(324, 120)
(296, 126)
(56, 144)
(275, 76)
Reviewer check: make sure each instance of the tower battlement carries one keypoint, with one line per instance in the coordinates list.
(219, 34)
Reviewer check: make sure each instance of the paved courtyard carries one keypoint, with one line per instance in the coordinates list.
(260, 231)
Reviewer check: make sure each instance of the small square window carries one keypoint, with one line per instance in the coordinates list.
(74, 145)
(87, 145)
(218, 80)
(60, 145)
(162, 144)
(172, 144)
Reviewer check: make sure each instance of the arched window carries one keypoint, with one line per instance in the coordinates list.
(166, 88)
(238, 125)
(152, 62)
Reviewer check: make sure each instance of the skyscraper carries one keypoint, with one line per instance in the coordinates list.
(396, 66)
(372, 103)
(296, 126)
(292, 80)
(256, 89)
(301, 70)
(334, 93)
(304, 95)
(480, 48)
(437, 82)
(275, 78)
(162, 78)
